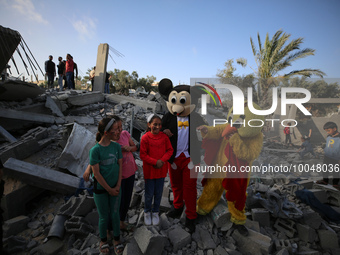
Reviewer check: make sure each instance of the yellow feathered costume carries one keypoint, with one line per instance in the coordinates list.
(234, 147)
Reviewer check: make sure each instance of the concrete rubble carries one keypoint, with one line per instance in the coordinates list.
(49, 210)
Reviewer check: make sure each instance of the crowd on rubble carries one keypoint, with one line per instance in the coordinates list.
(67, 73)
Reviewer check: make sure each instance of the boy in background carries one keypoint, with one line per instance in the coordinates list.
(332, 155)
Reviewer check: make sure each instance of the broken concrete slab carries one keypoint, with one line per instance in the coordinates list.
(117, 99)
(179, 238)
(10, 88)
(80, 120)
(75, 156)
(29, 116)
(53, 107)
(7, 135)
(254, 243)
(42, 177)
(15, 225)
(85, 98)
(33, 141)
(333, 195)
(149, 241)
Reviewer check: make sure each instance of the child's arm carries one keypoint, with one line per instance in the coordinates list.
(168, 150)
(119, 182)
(131, 147)
(86, 175)
(143, 153)
(102, 181)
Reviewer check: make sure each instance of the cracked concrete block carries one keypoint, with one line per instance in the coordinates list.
(307, 184)
(16, 244)
(328, 239)
(78, 226)
(254, 243)
(50, 103)
(15, 225)
(132, 248)
(254, 225)
(285, 226)
(312, 219)
(262, 216)
(85, 98)
(306, 233)
(78, 206)
(149, 241)
(220, 251)
(89, 241)
(206, 240)
(164, 222)
(283, 244)
(179, 238)
(51, 247)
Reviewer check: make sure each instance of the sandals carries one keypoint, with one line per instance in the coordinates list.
(119, 248)
(104, 248)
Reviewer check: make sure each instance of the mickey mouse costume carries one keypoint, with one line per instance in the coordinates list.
(177, 124)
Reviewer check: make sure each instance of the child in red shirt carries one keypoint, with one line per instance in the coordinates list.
(155, 151)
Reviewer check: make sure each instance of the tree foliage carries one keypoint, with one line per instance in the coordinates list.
(275, 55)
(123, 81)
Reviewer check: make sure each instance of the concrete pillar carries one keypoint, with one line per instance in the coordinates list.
(99, 79)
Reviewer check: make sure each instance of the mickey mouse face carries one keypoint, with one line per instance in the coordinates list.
(179, 100)
(179, 103)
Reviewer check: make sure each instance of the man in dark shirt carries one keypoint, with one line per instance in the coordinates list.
(61, 71)
(50, 72)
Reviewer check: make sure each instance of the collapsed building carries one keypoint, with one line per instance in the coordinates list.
(45, 139)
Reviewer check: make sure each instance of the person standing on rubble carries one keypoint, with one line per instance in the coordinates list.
(92, 75)
(50, 72)
(61, 71)
(69, 70)
(331, 160)
(155, 151)
(129, 168)
(106, 163)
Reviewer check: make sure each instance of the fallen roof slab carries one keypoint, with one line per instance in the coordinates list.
(116, 99)
(42, 177)
(18, 90)
(85, 99)
(30, 116)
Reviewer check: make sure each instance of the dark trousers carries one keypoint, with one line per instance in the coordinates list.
(126, 189)
(153, 190)
(288, 138)
(336, 175)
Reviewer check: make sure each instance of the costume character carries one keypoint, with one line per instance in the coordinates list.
(178, 124)
(233, 146)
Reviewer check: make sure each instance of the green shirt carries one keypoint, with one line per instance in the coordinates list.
(107, 158)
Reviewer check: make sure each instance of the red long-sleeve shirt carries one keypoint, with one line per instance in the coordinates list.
(152, 148)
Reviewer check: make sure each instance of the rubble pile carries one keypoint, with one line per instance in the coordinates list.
(286, 213)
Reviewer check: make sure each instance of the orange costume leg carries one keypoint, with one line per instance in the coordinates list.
(211, 194)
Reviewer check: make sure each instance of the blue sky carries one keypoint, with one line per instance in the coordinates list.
(172, 38)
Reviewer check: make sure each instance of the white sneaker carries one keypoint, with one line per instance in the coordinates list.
(147, 218)
(155, 218)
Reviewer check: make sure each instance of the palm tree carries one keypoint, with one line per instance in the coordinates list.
(275, 55)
